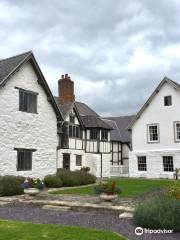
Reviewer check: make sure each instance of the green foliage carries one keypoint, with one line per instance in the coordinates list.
(109, 187)
(159, 213)
(85, 169)
(12, 230)
(53, 181)
(11, 185)
(174, 191)
(75, 178)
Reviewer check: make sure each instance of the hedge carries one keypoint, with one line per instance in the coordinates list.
(11, 185)
(75, 178)
(53, 181)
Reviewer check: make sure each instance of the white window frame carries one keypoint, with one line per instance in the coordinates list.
(175, 131)
(148, 133)
(166, 167)
(142, 163)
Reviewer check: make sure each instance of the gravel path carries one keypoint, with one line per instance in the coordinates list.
(93, 220)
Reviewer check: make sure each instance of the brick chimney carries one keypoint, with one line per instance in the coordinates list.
(66, 89)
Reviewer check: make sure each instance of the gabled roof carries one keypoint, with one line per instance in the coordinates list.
(65, 108)
(165, 80)
(91, 121)
(85, 110)
(119, 125)
(10, 66)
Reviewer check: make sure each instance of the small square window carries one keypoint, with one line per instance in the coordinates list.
(167, 101)
(24, 160)
(142, 166)
(27, 101)
(78, 160)
(168, 164)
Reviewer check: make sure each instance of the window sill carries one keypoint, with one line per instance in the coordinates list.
(28, 112)
(153, 142)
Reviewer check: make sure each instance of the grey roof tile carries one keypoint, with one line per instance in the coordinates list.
(91, 121)
(64, 107)
(9, 64)
(84, 109)
(120, 131)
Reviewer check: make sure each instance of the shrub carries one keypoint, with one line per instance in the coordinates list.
(174, 191)
(159, 213)
(53, 181)
(108, 188)
(85, 169)
(11, 185)
(75, 178)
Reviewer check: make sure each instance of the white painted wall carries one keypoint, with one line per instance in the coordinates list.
(73, 142)
(156, 112)
(154, 160)
(27, 130)
(94, 162)
(73, 154)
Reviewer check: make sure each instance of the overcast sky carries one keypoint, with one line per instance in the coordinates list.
(116, 51)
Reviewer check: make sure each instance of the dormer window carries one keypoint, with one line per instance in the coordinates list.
(167, 100)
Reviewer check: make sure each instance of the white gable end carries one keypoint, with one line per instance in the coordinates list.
(164, 116)
(27, 130)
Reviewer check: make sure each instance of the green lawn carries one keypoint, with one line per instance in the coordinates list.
(10, 230)
(130, 187)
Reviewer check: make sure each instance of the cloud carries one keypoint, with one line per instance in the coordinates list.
(115, 51)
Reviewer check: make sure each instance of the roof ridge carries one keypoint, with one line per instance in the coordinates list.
(18, 55)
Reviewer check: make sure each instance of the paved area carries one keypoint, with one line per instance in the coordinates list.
(110, 222)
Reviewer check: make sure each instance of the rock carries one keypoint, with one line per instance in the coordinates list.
(126, 215)
(56, 208)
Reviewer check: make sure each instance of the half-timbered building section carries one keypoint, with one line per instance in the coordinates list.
(71, 154)
(85, 137)
(120, 144)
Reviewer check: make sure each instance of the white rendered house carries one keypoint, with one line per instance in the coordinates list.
(28, 119)
(156, 134)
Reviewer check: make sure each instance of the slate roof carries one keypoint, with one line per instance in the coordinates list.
(10, 65)
(85, 110)
(64, 107)
(91, 121)
(120, 125)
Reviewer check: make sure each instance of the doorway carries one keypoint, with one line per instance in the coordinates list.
(66, 161)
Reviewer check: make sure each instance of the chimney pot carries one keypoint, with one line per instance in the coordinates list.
(66, 89)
